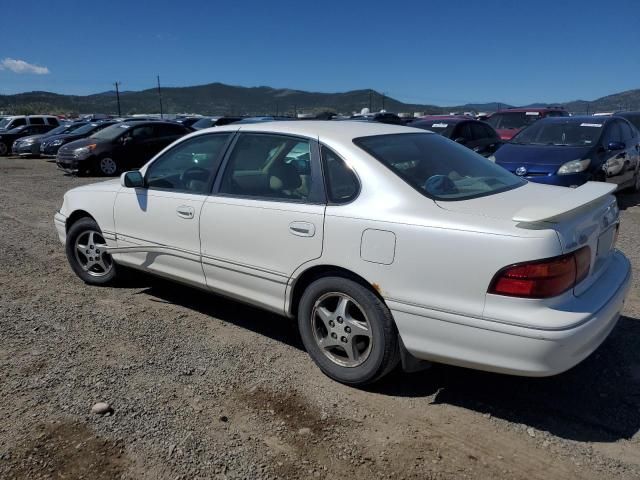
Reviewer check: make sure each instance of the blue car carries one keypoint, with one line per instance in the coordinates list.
(570, 151)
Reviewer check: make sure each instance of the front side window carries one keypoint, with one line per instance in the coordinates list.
(36, 121)
(271, 166)
(342, 183)
(437, 167)
(18, 122)
(189, 166)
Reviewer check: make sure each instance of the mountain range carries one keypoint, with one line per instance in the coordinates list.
(221, 99)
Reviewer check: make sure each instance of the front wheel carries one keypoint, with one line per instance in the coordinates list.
(86, 252)
(348, 331)
(3, 149)
(107, 166)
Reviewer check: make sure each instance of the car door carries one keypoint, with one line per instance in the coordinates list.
(162, 219)
(264, 219)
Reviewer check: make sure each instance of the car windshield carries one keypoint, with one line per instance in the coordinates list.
(88, 128)
(571, 133)
(437, 167)
(112, 132)
(4, 122)
(203, 123)
(512, 120)
(61, 129)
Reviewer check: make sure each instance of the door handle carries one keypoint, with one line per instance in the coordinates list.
(302, 229)
(185, 211)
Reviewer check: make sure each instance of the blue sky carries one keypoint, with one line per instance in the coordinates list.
(436, 52)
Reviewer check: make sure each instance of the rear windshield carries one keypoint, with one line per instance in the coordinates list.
(570, 133)
(437, 167)
(438, 126)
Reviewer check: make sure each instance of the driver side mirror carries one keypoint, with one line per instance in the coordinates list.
(613, 146)
(126, 140)
(461, 140)
(132, 179)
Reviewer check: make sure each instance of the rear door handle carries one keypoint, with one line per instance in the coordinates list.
(185, 211)
(302, 229)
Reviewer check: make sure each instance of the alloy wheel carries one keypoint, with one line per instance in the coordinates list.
(341, 329)
(91, 253)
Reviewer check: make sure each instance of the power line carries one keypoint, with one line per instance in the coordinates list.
(160, 97)
(117, 84)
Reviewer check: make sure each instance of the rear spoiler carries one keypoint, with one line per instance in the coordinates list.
(573, 199)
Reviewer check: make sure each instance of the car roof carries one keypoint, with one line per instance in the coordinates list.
(540, 110)
(345, 131)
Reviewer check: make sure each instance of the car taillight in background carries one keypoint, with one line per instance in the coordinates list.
(543, 278)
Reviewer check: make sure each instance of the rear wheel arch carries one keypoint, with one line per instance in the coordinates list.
(316, 272)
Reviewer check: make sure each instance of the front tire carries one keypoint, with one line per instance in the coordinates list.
(4, 149)
(86, 253)
(348, 331)
(107, 166)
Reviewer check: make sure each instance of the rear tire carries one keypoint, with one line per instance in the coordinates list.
(85, 249)
(348, 331)
(4, 149)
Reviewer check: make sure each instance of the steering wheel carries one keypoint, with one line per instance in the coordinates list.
(194, 173)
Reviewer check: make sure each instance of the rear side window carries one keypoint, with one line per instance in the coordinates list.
(36, 120)
(53, 121)
(438, 168)
(463, 130)
(270, 166)
(342, 183)
(479, 131)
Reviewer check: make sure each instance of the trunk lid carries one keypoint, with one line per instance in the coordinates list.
(587, 215)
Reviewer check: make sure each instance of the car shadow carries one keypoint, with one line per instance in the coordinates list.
(598, 400)
(277, 327)
(628, 199)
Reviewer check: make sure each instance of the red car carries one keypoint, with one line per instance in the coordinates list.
(509, 122)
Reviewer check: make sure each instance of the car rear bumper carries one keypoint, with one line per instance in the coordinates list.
(60, 221)
(515, 349)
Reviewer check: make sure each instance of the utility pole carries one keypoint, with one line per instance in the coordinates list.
(117, 84)
(382, 101)
(370, 99)
(160, 97)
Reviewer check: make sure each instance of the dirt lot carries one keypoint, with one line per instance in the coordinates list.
(202, 387)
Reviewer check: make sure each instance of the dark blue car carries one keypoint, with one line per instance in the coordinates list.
(570, 151)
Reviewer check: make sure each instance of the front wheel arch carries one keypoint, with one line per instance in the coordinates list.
(77, 215)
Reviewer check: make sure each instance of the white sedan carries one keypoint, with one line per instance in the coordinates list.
(388, 244)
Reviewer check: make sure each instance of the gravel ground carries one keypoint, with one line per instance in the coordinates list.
(203, 387)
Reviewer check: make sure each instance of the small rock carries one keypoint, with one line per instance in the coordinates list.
(304, 431)
(224, 418)
(531, 432)
(101, 408)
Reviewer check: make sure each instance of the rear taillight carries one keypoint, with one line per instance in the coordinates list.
(543, 278)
